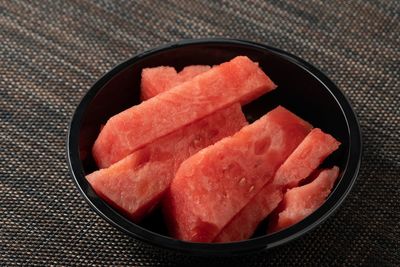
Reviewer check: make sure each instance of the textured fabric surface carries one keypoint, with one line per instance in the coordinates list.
(52, 51)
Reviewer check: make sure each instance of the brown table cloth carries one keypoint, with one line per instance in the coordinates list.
(52, 51)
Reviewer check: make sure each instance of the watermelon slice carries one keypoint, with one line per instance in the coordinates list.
(299, 165)
(160, 79)
(306, 158)
(135, 184)
(300, 202)
(239, 80)
(243, 225)
(213, 185)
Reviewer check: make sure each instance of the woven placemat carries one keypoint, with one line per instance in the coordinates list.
(52, 51)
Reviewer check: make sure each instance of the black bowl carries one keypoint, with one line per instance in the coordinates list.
(302, 89)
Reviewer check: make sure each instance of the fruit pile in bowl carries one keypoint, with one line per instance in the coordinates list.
(194, 152)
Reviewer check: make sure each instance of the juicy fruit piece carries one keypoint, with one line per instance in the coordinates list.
(160, 79)
(243, 225)
(191, 71)
(136, 183)
(300, 202)
(239, 80)
(213, 185)
(305, 159)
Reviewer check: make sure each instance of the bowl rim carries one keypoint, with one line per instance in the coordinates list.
(263, 242)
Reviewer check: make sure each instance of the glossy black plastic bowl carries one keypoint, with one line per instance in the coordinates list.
(302, 88)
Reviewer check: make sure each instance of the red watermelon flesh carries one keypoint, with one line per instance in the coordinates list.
(239, 80)
(301, 201)
(305, 159)
(136, 183)
(213, 185)
(156, 80)
(191, 71)
(160, 79)
(243, 225)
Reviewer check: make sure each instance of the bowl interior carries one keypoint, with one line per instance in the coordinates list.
(300, 90)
